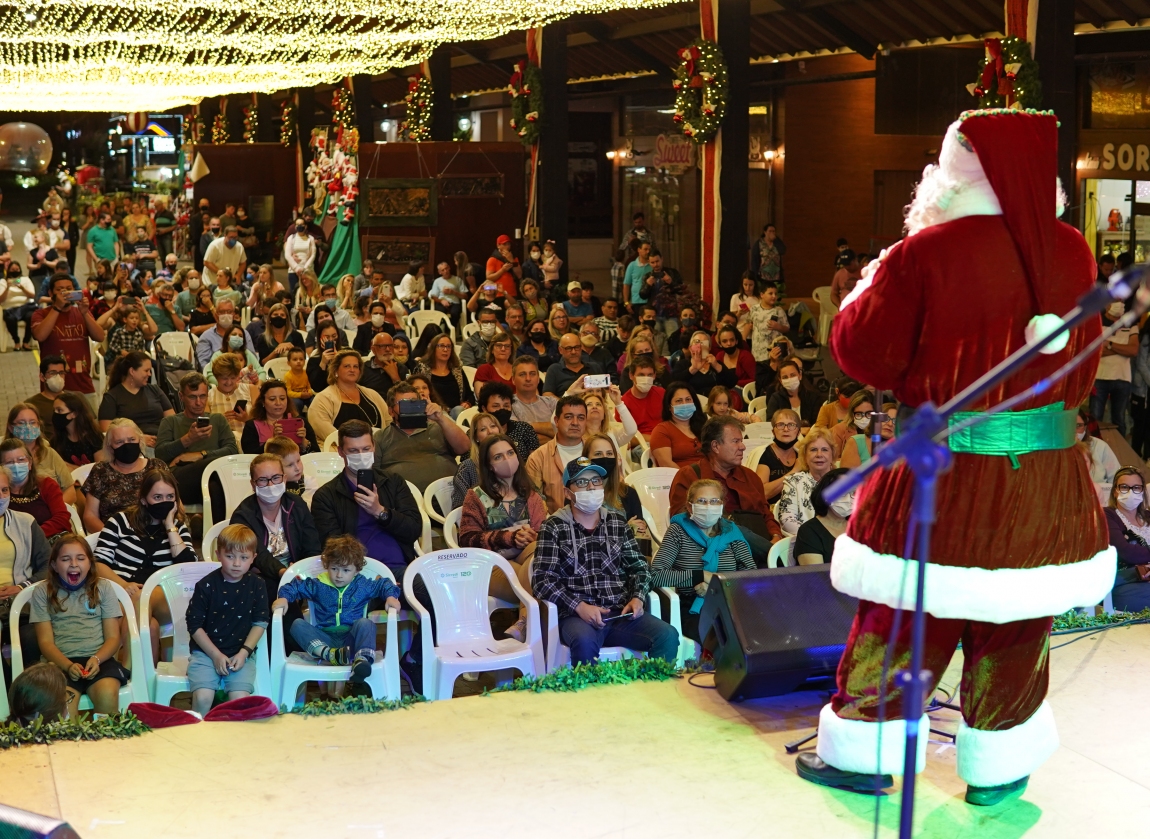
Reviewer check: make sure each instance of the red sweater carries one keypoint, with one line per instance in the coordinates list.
(648, 411)
(49, 510)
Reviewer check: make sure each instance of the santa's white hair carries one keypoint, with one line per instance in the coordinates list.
(956, 187)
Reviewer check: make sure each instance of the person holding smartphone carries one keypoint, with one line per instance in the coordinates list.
(418, 446)
(64, 328)
(190, 440)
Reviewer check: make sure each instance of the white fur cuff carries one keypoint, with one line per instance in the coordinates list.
(992, 758)
(977, 594)
(852, 745)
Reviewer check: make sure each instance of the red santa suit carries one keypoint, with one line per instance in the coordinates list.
(1020, 535)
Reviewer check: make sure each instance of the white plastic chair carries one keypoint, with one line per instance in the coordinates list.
(331, 442)
(470, 329)
(451, 527)
(559, 654)
(277, 368)
(136, 690)
(208, 544)
(177, 344)
(80, 473)
(654, 489)
(291, 671)
(759, 432)
(321, 467)
(702, 401)
(93, 539)
(77, 523)
(457, 581)
(167, 678)
(424, 545)
(646, 461)
(750, 390)
(470, 373)
(98, 373)
(439, 490)
(235, 476)
(757, 404)
(689, 649)
(466, 416)
(245, 316)
(780, 553)
(751, 456)
(418, 320)
(827, 312)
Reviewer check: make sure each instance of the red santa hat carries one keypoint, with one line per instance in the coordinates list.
(1018, 151)
(154, 715)
(243, 709)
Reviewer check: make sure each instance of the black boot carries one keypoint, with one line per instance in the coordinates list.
(989, 796)
(812, 768)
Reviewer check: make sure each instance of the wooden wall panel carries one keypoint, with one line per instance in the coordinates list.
(239, 170)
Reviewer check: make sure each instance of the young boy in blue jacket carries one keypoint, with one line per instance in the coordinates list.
(339, 599)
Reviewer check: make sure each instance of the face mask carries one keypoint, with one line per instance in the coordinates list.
(61, 422)
(55, 222)
(1081, 435)
(109, 296)
(502, 416)
(278, 322)
(786, 446)
(127, 453)
(507, 468)
(862, 424)
(225, 321)
(330, 302)
(706, 516)
(1115, 310)
(536, 255)
(4, 505)
(844, 506)
(649, 323)
(377, 321)
(271, 493)
(159, 511)
(236, 342)
(27, 433)
(215, 230)
(300, 229)
(231, 243)
(844, 402)
(194, 285)
(607, 464)
(644, 383)
(19, 472)
(588, 500)
(683, 412)
(791, 384)
(361, 460)
(55, 383)
(486, 330)
(689, 323)
(588, 341)
(538, 337)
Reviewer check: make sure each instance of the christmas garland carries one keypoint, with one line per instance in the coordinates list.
(1008, 70)
(580, 676)
(287, 123)
(526, 89)
(417, 123)
(221, 131)
(116, 726)
(700, 90)
(251, 122)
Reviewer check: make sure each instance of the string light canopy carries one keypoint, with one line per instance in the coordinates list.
(157, 54)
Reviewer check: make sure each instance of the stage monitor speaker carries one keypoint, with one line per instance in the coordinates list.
(771, 630)
(21, 824)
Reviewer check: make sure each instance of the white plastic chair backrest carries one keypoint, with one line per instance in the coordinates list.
(470, 329)
(1103, 491)
(77, 523)
(351, 334)
(751, 456)
(418, 320)
(245, 316)
(466, 415)
(331, 442)
(654, 489)
(234, 472)
(646, 461)
(440, 490)
(93, 539)
(277, 368)
(750, 390)
(702, 401)
(208, 545)
(759, 431)
(470, 373)
(757, 404)
(80, 473)
(321, 466)
(457, 580)
(822, 296)
(178, 582)
(780, 552)
(425, 535)
(451, 527)
(313, 566)
(178, 344)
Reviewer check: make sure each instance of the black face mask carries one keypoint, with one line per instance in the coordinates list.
(538, 337)
(649, 323)
(278, 322)
(730, 350)
(61, 422)
(786, 446)
(689, 323)
(607, 464)
(159, 511)
(127, 453)
(502, 416)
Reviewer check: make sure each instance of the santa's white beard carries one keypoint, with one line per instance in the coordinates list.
(940, 197)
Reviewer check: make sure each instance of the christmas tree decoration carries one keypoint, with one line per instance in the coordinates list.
(343, 115)
(526, 89)
(1009, 76)
(221, 130)
(700, 90)
(287, 123)
(416, 124)
(251, 121)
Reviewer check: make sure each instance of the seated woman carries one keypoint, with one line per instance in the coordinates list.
(1128, 520)
(859, 447)
(326, 346)
(114, 482)
(500, 350)
(737, 363)
(780, 458)
(24, 424)
(253, 370)
(793, 392)
(273, 414)
(401, 349)
(1100, 458)
(835, 409)
(37, 495)
(278, 336)
(78, 440)
(149, 535)
(719, 405)
(422, 384)
(697, 366)
(203, 317)
(675, 441)
(131, 395)
(601, 450)
(815, 542)
(602, 407)
(816, 458)
(697, 545)
(859, 409)
(443, 367)
(467, 475)
(540, 345)
(343, 399)
(503, 514)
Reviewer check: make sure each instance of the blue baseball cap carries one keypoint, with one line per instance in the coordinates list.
(578, 466)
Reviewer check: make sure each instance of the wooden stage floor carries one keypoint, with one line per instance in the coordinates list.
(657, 760)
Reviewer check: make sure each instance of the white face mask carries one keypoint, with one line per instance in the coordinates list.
(588, 500)
(862, 424)
(644, 383)
(55, 383)
(271, 493)
(225, 321)
(377, 321)
(486, 330)
(361, 460)
(1129, 502)
(844, 506)
(791, 384)
(194, 285)
(1081, 435)
(1115, 310)
(706, 516)
(109, 296)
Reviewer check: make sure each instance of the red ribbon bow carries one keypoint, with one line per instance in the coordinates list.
(995, 70)
(690, 55)
(517, 76)
(413, 82)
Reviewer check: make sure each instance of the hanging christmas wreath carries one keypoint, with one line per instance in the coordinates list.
(700, 90)
(1008, 70)
(251, 122)
(221, 131)
(526, 89)
(287, 123)
(417, 123)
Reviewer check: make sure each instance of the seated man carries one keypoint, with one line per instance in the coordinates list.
(53, 368)
(588, 564)
(189, 441)
(495, 398)
(546, 464)
(421, 454)
(382, 371)
(722, 445)
(574, 365)
(528, 405)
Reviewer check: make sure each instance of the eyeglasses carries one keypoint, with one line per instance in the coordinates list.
(1079, 426)
(862, 414)
(787, 426)
(1123, 490)
(274, 479)
(709, 502)
(583, 483)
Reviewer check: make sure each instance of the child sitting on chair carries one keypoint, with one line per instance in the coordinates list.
(338, 595)
(226, 618)
(288, 451)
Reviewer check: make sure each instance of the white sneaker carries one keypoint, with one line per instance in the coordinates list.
(518, 630)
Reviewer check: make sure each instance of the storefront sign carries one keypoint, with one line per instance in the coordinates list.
(675, 154)
(1113, 152)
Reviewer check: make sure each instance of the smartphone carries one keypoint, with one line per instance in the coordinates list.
(203, 422)
(75, 296)
(608, 618)
(412, 413)
(599, 381)
(328, 346)
(365, 478)
(241, 405)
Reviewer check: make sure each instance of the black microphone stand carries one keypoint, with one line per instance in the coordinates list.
(927, 457)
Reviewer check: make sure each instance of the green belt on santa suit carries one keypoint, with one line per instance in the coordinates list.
(1013, 433)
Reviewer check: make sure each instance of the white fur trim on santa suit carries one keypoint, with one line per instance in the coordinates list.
(993, 758)
(852, 745)
(976, 594)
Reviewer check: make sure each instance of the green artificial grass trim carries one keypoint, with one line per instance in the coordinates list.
(115, 727)
(595, 673)
(351, 705)
(1075, 621)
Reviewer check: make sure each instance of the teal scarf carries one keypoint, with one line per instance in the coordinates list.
(712, 545)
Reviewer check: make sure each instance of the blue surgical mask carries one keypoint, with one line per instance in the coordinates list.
(19, 472)
(231, 243)
(236, 342)
(683, 412)
(27, 433)
(330, 302)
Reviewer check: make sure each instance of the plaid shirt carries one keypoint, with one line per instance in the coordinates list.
(602, 567)
(618, 271)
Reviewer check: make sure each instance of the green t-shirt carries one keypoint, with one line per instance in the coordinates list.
(78, 628)
(103, 242)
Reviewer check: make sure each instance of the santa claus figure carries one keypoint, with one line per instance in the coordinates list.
(1020, 536)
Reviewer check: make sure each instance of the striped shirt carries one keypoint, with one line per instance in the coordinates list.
(135, 557)
(679, 560)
